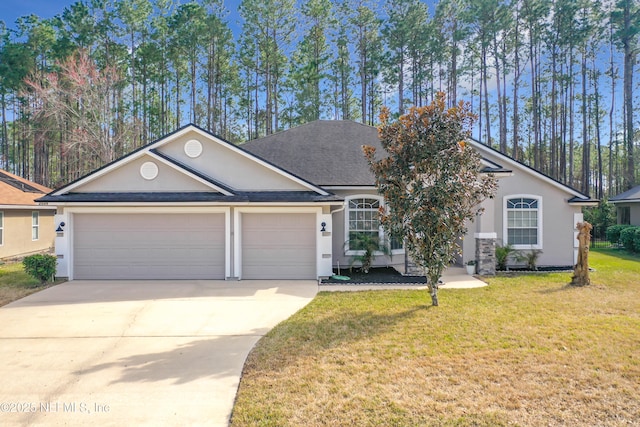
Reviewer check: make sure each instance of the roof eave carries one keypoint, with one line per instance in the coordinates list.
(634, 200)
(576, 201)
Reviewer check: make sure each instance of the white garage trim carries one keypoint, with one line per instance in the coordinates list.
(237, 238)
(66, 257)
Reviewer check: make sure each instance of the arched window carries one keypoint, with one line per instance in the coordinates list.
(362, 222)
(523, 221)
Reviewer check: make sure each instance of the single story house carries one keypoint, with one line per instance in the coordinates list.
(628, 206)
(287, 206)
(26, 227)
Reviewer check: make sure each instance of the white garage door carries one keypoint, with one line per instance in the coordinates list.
(278, 246)
(148, 246)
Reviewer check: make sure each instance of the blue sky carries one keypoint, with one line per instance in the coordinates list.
(10, 10)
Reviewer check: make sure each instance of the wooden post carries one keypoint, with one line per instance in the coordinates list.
(581, 269)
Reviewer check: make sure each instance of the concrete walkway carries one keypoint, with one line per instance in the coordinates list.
(116, 353)
(452, 278)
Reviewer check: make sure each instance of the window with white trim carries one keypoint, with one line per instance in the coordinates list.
(362, 220)
(35, 225)
(523, 221)
(1, 228)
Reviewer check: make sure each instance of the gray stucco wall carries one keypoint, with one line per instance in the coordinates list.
(557, 215)
(229, 167)
(127, 179)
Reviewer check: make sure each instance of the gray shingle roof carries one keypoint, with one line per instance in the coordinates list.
(325, 152)
(627, 196)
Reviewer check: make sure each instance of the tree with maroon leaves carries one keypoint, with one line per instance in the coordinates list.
(431, 181)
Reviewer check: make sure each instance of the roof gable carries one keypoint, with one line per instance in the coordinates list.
(137, 175)
(15, 190)
(190, 159)
(509, 162)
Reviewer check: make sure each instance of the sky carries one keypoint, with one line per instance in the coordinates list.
(10, 10)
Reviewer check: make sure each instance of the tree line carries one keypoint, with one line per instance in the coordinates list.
(551, 81)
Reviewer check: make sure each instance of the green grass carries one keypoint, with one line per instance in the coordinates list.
(15, 283)
(527, 350)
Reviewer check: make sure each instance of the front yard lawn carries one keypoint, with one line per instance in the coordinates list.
(16, 284)
(527, 350)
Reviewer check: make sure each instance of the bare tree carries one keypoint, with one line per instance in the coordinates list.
(78, 97)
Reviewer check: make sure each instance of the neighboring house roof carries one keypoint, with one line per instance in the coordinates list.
(632, 195)
(325, 152)
(19, 192)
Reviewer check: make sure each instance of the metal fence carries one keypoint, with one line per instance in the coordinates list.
(599, 238)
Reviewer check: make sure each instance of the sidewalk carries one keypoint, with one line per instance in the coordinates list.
(452, 278)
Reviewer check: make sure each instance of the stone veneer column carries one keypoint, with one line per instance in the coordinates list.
(486, 253)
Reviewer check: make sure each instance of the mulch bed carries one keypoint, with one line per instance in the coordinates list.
(378, 275)
(548, 269)
(388, 275)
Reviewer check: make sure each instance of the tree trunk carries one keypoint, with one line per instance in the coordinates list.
(586, 146)
(432, 282)
(629, 61)
(581, 269)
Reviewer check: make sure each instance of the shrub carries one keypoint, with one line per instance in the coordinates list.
(613, 233)
(40, 266)
(369, 245)
(531, 258)
(636, 239)
(502, 256)
(601, 217)
(628, 237)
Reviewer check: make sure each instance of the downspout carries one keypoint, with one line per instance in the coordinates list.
(344, 206)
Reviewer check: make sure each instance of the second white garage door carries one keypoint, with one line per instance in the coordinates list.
(278, 246)
(149, 246)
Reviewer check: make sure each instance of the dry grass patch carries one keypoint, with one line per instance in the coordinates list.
(16, 284)
(527, 350)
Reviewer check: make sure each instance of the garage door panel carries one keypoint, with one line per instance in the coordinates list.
(278, 246)
(149, 246)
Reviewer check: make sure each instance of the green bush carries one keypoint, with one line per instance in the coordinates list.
(502, 256)
(40, 266)
(636, 239)
(613, 233)
(601, 217)
(628, 237)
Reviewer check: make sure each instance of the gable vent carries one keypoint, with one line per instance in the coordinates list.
(193, 148)
(149, 170)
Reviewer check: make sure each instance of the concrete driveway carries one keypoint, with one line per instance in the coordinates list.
(135, 352)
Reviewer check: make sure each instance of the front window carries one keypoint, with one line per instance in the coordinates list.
(1, 228)
(363, 224)
(523, 222)
(35, 225)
